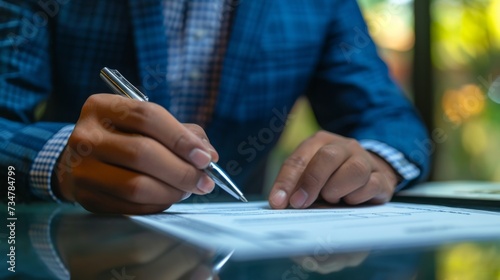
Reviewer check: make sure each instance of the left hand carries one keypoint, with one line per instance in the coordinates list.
(333, 168)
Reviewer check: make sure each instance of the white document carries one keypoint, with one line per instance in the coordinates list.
(254, 230)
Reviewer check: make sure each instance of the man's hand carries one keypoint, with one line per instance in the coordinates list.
(133, 157)
(334, 168)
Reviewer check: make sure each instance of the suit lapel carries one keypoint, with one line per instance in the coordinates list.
(151, 48)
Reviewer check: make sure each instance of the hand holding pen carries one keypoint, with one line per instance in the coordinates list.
(123, 87)
(132, 157)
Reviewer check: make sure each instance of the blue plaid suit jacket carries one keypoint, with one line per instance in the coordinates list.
(51, 53)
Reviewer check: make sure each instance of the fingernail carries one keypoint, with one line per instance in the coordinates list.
(278, 198)
(186, 196)
(205, 184)
(200, 158)
(299, 198)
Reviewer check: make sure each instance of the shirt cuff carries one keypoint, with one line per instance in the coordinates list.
(407, 170)
(44, 163)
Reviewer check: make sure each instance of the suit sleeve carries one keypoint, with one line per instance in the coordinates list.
(25, 82)
(353, 94)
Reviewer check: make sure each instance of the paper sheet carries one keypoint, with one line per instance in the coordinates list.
(253, 230)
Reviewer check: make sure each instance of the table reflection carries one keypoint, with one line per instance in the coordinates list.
(66, 242)
(104, 247)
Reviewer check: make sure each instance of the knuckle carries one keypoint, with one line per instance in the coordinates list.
(195, 128)
(180, 141)
(328, 153)
(77, 136)
(142, 113)
(321, 134)
(189, 177)
(353, 144)
(311, 180)
(296, 162)
(95, 98)
(376, 183)
(91, 105)
(359, 168)
(92, 102)
(134, 153)
(284, 183)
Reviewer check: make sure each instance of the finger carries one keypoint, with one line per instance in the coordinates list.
(377, 191)
(144, 155)
(200, 132)
(353, 174)
(125, 184)
(290, 173)
(152, 120)
(211, 150)
(324, 163)
(293, 167)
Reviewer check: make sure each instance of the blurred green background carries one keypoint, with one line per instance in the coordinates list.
(464, 104)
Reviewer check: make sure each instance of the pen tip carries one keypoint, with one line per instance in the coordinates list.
(242, 198)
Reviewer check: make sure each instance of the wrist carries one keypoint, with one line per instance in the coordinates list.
(61, 186)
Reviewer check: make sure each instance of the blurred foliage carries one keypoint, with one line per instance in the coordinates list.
(466, 56)
(468, 261)
(465, 33)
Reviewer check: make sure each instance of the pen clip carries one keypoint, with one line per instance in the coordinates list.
(120, 85)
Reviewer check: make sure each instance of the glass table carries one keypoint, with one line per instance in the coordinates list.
(67, 242)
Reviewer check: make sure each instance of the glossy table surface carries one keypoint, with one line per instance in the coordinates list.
(67, 242)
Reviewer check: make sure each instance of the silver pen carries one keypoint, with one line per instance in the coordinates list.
(121, 86)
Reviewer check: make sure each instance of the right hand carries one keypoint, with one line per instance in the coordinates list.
(132, 157)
